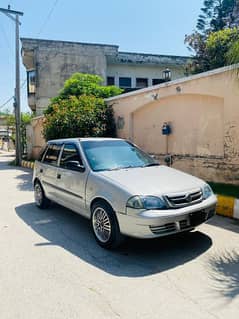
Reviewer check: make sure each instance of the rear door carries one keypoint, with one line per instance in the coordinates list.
(48, 170)
(71, 182)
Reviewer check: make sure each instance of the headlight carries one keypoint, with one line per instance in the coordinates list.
(207, 191)
(146, 202)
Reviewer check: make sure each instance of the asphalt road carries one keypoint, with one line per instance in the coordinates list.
(51, 267)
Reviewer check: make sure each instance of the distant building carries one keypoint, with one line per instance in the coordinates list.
(5, 133)
(49, 63)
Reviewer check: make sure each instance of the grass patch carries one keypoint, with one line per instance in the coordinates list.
(225, 189)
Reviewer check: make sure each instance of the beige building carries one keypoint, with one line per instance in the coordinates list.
(203, 113)
(49, 63)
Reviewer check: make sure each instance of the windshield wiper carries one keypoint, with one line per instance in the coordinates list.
(151, 164)
(121, 167)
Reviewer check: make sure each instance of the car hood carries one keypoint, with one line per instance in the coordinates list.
(156, 180)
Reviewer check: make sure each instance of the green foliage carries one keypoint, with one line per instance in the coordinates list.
(217, 16)
(225, 189)
(79, 110)
(232, 55)
(25, 120)
(87, 84)
(82, 116)
(221, 47)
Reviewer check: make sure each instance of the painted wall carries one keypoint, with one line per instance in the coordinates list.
(204, 115)
(35, 139)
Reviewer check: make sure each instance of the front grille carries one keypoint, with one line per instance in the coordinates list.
(184, 199)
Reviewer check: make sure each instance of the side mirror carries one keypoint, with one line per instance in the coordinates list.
(75, 166)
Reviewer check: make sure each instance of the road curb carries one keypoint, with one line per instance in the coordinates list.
(27, 164)
(227, 206)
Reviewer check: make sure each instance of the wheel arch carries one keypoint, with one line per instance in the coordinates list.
(102, 200)
(36, 180)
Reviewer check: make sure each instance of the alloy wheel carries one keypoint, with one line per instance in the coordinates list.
(101, 224)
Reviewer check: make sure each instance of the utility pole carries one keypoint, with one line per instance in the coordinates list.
(14, 15)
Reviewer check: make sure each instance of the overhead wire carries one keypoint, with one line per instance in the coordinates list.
(5, 37)
(40, 31)
(12, 97)
(48, 17)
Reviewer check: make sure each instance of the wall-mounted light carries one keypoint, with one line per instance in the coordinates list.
(167, 75)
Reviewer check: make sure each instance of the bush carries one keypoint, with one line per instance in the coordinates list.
(80, 110)
(83, 116)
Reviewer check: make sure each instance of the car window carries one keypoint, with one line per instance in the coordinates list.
(117, 154)
(70, 153)
(42, 153)
(52, 154)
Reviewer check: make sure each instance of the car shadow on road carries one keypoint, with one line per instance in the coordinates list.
(136, 258)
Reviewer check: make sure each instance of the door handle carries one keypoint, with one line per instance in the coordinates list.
(59, 176)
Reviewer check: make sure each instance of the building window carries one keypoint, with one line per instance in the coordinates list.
(31, 82)
(110, 80)
(125, 82)
(157, 81)
(141, 83)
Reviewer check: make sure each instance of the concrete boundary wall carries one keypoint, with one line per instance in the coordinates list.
(203, 113)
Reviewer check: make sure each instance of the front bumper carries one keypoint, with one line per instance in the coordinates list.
(155, 223)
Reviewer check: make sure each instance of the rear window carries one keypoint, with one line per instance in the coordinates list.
(42, 153)
(52, 154)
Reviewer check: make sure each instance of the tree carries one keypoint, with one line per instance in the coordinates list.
(216, 15)
(87, 84)
(80, 110)
(221, 47)
(233, 53)
(11, 123)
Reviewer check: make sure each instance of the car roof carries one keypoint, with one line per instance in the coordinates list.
(82, 139)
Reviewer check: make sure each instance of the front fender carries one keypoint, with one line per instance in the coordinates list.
(103, 188)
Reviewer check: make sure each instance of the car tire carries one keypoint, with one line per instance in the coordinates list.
(41, 200)
(105, 226)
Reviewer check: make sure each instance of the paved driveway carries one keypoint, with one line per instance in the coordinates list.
(51, 267)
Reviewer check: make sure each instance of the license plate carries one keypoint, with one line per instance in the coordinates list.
(197, 218)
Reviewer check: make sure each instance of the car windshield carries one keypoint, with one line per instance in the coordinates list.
(115, 154)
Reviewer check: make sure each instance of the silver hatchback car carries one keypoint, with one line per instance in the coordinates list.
(123, 190)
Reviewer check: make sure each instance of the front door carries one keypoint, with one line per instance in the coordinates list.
(70, 184)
